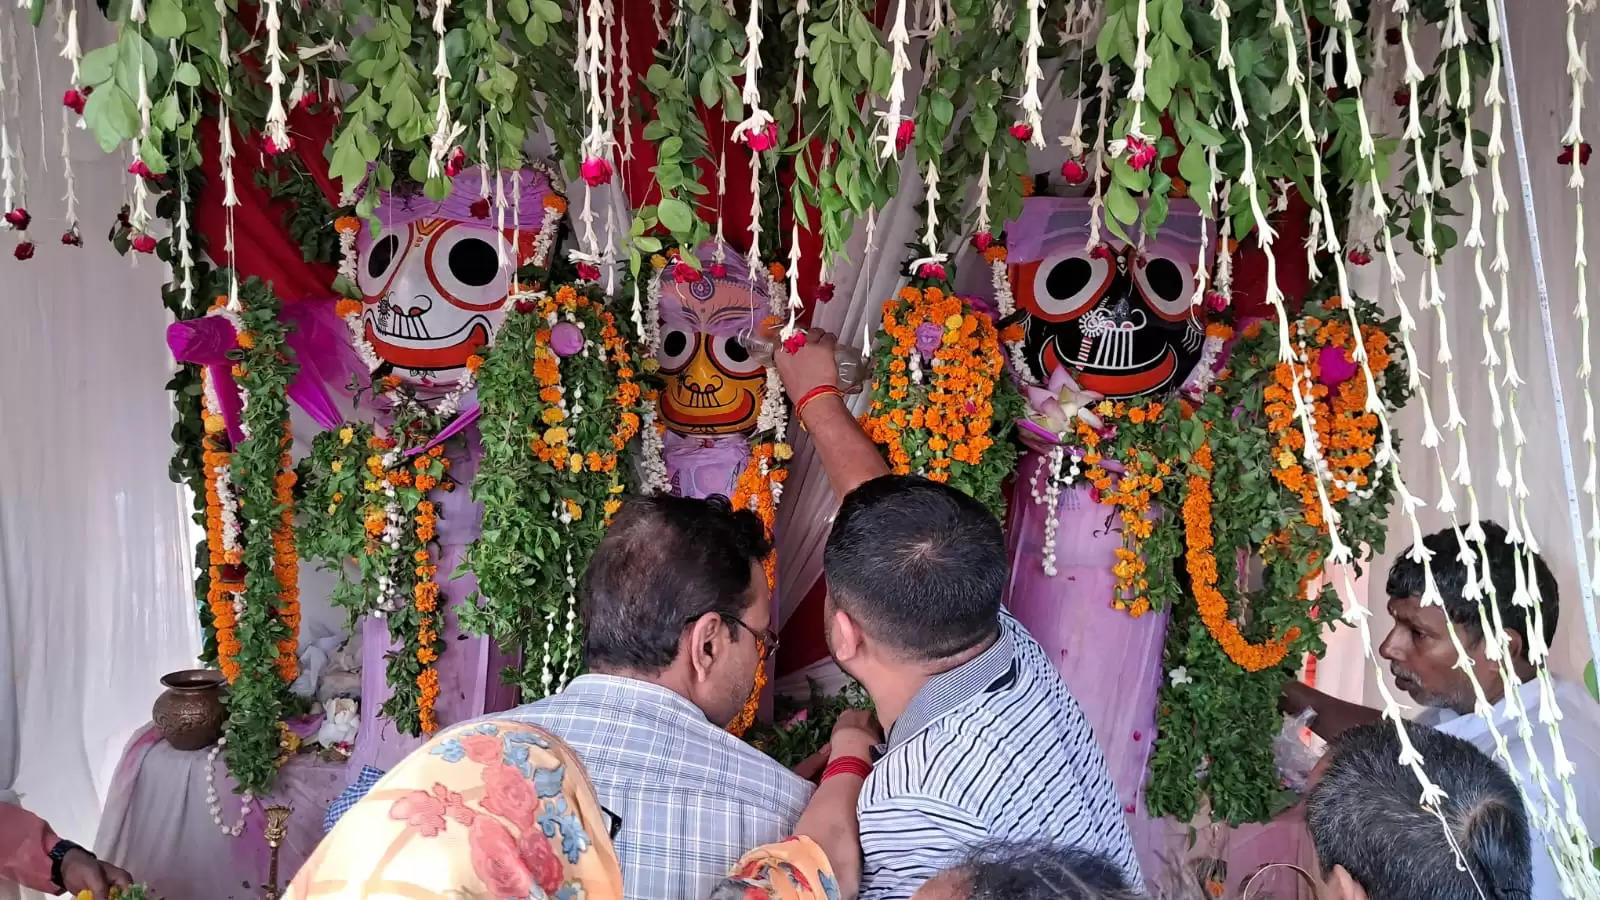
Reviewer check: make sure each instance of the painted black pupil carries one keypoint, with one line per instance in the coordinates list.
(381, 255)
(473, 262)
(675, 343)
(735, 351)
(1164, 278)
(1068, 278)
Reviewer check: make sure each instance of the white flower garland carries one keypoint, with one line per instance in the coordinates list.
(899, 65)
(277, 129)
(214, 803)
(1032, 104)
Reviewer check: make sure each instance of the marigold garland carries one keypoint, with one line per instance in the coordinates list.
(554, 430)
(224, 581)
(939, 405)
(753, 491)
(1132, 492)
(1202, 567)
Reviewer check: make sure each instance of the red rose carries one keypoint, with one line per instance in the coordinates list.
(1392, 35)
(1074, 172)
(1216, 301)
(1359, 257)
(1022, 131)
(75, 100)
(718, 270)
(903, 134)
(72, 238)
(273, 148)
(1565, 158)
(595, 171)
(1402, 97)
(19, 218)
(982, 241)
(479, 208)
(683, 273)
(588, 271)
(825, 292)
(524, 306)
(455, 162)
(1100, 251)
(931, 271)
(1141, 154)
(794, 342)
(144, 243)
(24, 250)
(140, 169)
(765, 139)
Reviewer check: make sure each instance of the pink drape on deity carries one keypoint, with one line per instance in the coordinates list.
(702, 466)
(1110, 660)
(469, 669)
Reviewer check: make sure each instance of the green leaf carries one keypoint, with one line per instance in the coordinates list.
(1124, 175)
(1590, 681)
(112, 116)
(517, 10)
(99, 66)
(150, 152)
(1172, 24)
(166, 112)
(538, 31)
(186, 74)
(548, 11)
(985, 123)
(710, 87)
(1121, 204)
(1192, 166)
(675, 215)
(166, 19)
(647, 244)
(943, 110)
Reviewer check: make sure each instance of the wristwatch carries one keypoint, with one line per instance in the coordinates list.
(58, 855)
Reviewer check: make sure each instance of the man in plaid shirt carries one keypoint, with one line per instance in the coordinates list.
(677, 618)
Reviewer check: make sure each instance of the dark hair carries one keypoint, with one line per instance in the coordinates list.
(665, 561)
(921, 565)
(1450, 575)
(1037, 871)
(1364, 814)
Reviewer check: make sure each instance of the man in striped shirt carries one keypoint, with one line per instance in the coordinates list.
(984, 741)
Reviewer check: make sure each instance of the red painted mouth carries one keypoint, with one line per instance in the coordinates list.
(1127, 385)
(453, 356)
(695, 421)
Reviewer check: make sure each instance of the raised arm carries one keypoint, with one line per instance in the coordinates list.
(1334, 716)
(848, 455)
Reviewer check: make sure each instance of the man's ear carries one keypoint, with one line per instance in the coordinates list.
(706, 640)
(847, 636)
(1341, 885)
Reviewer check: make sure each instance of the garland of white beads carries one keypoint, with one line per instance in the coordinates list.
(214, 802)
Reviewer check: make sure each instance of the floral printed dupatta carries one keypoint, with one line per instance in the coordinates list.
(497, 810)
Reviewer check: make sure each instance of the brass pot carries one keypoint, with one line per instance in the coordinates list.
(189, 713)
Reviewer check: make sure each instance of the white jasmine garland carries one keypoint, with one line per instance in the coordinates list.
(277, 119)
(652, 458)
(213, 802)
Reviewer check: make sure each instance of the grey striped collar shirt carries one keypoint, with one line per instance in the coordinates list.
(994, 749)
(691, 797)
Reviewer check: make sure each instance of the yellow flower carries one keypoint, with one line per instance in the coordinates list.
(651, 365)
(346, 435)
(372, 485)
(556, 435)
(574, 510)
(1105, 408)
(575, 463)
(611, 507)
(553, 414)
(617, 488)
(953, 323)
(782, 452)
(333, 508)
(337, 465)
(657, 261)
(1285, 460)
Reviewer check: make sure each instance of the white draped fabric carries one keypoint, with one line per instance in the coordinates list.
(95, 542)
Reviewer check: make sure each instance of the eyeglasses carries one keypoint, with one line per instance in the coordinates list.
(766, 638)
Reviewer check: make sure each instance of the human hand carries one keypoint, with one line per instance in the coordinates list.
(811, 366)
(810, 767)
(82, 873)
(855, 733)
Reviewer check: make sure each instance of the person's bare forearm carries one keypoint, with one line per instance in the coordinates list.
(848, 455)
(1334, 716)
(830, 820)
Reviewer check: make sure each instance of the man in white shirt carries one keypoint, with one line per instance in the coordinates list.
(1423, 660)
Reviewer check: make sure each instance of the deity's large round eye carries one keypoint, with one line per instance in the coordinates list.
(677, 345)
(731, 356)
(1066, 284)
(1167, 286)
(467, 267)
(379, 263)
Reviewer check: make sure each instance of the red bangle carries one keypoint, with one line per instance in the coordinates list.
(847, 765)
(818, 391)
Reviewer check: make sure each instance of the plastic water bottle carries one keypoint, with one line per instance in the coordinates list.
(851, 366)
